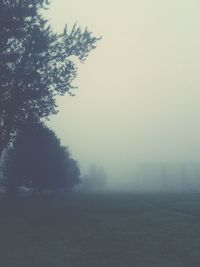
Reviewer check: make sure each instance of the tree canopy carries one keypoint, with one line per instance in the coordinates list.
(38, 160)
(36, 64)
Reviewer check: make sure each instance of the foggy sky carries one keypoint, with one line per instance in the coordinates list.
(138, 98)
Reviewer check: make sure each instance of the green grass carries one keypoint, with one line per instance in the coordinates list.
(98, 230)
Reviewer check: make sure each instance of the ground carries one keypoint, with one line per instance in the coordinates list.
(101, 230)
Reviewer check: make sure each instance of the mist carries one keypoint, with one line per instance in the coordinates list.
(137, 102)
(99, 162)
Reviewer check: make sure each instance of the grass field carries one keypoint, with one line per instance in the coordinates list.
(98, 230)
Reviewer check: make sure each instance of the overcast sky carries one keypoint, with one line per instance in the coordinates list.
(139, 91)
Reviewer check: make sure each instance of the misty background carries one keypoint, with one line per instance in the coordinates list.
(138, 98)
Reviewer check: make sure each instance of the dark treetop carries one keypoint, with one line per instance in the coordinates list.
(36, 64)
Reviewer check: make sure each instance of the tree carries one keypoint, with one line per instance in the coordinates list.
(95, 180)
(36, 64)
(72, 174)
(37, 159)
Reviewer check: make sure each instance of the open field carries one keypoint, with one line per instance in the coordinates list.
(98, 230)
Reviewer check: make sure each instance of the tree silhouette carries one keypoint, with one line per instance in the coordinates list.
(36, 64)
(38, 160)
(95, 180)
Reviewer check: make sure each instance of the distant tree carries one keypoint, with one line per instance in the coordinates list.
(36, 64)
(72, 174)
(95, 180)
(37, 159)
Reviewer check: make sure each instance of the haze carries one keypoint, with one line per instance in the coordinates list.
(138, 97)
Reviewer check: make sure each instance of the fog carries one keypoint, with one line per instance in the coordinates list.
(138, 98)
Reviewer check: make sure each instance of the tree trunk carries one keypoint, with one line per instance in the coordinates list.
(2, 147)
(1, 151)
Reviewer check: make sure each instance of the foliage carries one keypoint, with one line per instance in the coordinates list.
(36, 64)
(38, 160)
